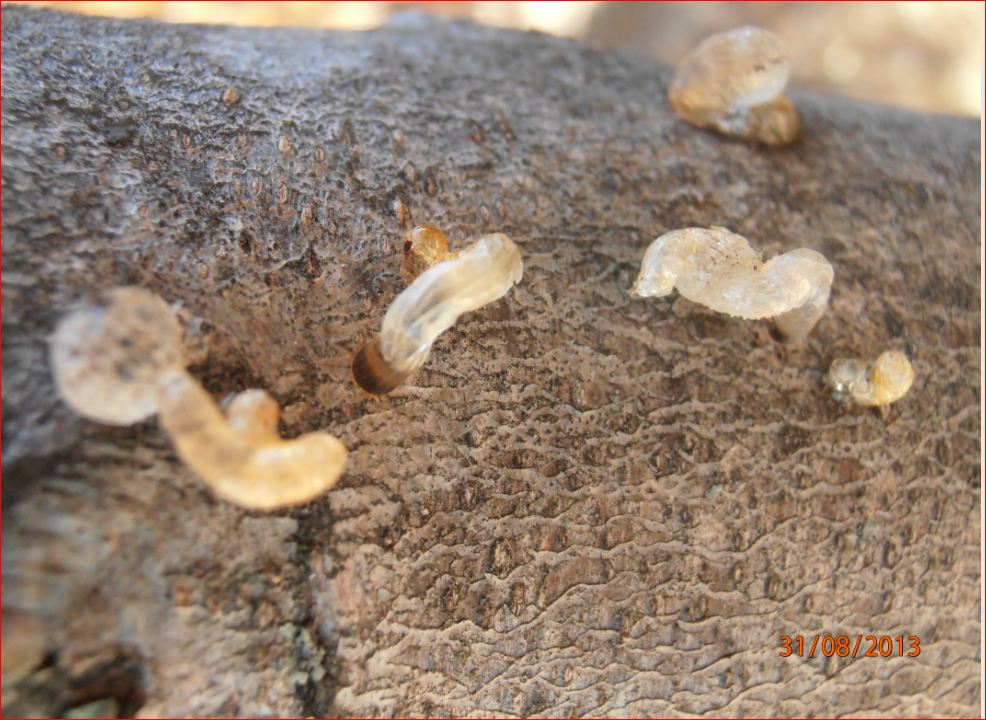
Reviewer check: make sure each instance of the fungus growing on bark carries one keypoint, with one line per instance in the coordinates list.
(732, 82)
(424, 246)
(877, 384)
(442, 287)
(121, 363)
(107, 360)
(719, 269)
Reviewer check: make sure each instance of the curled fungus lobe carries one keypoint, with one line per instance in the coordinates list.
(443, 286)
(732, 83)
(123, 362)
(719, 269)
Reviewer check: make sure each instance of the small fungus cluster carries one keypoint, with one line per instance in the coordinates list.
(122, 362)
(887, 379)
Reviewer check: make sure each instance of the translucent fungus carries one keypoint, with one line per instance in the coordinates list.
(884, 381)
(732, 82)
(453, 284)
(107, 359)
(719, 269)
(240, 455)
(123, 362)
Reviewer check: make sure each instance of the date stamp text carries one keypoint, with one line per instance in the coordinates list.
(850, 645)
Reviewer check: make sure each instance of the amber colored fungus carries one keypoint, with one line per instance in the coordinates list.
(884, 381)
(123, 362)
(732, 83)
(424, 246)
(240, 455)
(444, 286)
(372, 372)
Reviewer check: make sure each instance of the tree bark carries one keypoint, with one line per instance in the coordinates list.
(584, 503)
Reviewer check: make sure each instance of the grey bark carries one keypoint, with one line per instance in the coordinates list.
(584, 503)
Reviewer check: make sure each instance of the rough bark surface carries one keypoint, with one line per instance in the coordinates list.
(584, 503)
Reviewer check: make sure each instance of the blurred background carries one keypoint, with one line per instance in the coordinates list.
(925, 56)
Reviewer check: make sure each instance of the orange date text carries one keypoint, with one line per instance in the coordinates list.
(850, 645)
